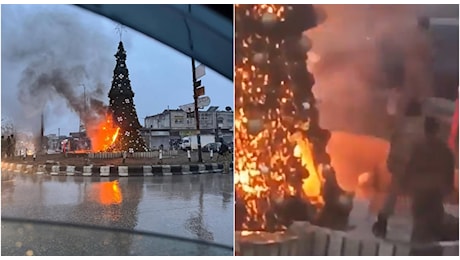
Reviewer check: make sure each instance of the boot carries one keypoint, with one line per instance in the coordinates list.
(380, 226)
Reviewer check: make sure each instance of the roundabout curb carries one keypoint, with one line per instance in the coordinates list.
(115, 171)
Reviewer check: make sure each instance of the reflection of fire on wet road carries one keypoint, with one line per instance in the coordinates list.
(106, 193)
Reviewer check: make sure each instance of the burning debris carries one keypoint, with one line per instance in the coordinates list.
(283, 171)
(103, 134)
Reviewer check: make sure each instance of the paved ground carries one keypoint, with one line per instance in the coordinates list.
(82, 159)
(197, 207)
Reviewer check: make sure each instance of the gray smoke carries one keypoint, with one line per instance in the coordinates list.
(351, 82)
(57, 50)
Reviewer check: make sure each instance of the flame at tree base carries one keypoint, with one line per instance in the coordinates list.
(103, 134)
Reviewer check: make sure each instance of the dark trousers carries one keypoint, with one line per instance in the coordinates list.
(428, 216)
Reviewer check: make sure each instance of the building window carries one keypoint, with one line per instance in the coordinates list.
(179, 119)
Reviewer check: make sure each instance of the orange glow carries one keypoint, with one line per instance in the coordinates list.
(272, 148)
(109, 193)
(81, 151)
(103, 135)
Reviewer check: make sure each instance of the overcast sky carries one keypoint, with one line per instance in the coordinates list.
(80, 45)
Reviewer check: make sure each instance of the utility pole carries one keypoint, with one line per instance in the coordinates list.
(42, 133)
(196, 84)
(84, 107)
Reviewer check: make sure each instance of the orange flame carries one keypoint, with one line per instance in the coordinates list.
(109, 193)
(103, 135)
(271, 148)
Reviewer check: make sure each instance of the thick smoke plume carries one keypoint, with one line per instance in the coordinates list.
(360, 52)
(57, 51)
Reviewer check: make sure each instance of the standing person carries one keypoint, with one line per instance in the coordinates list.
(453, 137)
(13, 146)
(406, 134)
(8, 146)
(429, 179)
(224, 154)
(3, 147)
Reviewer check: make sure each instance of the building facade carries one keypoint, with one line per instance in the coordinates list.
(170, 125)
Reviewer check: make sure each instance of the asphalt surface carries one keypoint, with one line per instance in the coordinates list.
(198, 207)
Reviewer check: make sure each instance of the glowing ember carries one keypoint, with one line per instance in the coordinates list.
(280, 147)
(103, 134)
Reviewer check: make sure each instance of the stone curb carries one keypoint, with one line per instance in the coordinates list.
(111, 170)
(309, 240)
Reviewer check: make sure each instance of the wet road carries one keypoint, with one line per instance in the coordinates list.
(191, 206)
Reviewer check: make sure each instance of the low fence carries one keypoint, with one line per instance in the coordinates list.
(153, 154)
(304, 239)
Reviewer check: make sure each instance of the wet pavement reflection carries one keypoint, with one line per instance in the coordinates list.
(191, 206)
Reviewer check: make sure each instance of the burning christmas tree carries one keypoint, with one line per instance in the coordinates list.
(121, 106)
(283, 172)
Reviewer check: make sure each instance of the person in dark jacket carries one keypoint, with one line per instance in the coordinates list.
(3, 147)
(8, 146)
(429, 179)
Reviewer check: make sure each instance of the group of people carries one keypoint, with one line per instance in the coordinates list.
(422, 165)
(8, 146)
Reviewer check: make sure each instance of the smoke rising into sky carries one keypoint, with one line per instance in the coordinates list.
(57, 53)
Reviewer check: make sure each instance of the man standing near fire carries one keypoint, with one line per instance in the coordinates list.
(429, 178)
(402, 141)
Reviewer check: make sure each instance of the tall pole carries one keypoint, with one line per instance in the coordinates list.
(42, 133)
(197, 114)
(84, 106)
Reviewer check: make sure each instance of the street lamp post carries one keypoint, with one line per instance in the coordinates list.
(197, 114)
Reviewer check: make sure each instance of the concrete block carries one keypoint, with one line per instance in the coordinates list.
(87, 170)
(104, 171)
(41, 169)
(70, 170)
(123, 171)
(147, 170)
(54, 170)
(186, 169)
(166, 170)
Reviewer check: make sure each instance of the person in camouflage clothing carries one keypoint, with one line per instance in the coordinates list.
(225, 156)
(407, 133)
(429, 178)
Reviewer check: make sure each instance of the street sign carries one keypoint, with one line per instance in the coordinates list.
(202, 102)
(199, 91)
(188, 107)
(200, 71)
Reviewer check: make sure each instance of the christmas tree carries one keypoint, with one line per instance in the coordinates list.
(280, 147)
(122, 108)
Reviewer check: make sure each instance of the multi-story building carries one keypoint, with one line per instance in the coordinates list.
(175, 124)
